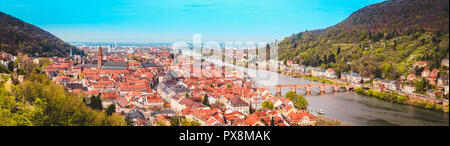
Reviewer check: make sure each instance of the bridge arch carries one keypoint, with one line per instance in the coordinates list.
(286, 89)
(301, 90)
(328, 87)
(272, 91)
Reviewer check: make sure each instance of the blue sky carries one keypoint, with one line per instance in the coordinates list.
(177, 20)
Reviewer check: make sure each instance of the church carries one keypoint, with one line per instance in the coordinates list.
(104, 65)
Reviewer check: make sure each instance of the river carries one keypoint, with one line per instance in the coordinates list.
(350, 107)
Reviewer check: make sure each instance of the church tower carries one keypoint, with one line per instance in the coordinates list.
(222, 46)
(100, 57)
(71, 53)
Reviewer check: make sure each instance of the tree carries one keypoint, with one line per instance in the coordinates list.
(301, 102)
(96, 102)
(128, 120)
(187, 122)
(267, 52)
(297, 99)
(205, 100)
(272, 121)
(84, 101)
(111, 109)
(429, 105)
(331, 58)
(359, 90)
(267, 104)
(11, 66)
(402, 99)
(292, 96)
(161, 123)
(421, 85)
(41, 102)
(174, 122)
(251, 109)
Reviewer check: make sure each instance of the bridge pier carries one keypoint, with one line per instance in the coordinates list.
(293, 89)
(278, 94)
(308, 89)
(322, 89)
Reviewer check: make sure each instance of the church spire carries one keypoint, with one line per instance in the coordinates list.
(100, 57)
(71, 53)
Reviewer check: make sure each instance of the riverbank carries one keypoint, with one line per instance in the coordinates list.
(402, 99)
(318, 79)
(392, 96)
(327, 121)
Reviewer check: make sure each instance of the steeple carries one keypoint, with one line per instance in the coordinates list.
(100, 57)
(71, 53)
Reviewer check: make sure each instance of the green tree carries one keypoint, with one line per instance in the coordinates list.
(50, 105)
(267, 104)
(301, 102)
(402, 99)
(292, 96)
(298, 100)
(187, 122)
(174, 122)
(205, 100)
(128, 121)
(96, 102)
(429, 105)
(421, 85)
(359, 90)
(446, 109)
(267, 52)
(439, 108)
(111, 109)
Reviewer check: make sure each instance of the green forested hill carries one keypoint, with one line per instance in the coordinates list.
(18, 36)
(380, 40)
(38, 101)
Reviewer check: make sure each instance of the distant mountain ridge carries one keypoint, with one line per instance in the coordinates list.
(17, 36)
(391, 33)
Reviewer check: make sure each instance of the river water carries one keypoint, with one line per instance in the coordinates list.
(350, 107)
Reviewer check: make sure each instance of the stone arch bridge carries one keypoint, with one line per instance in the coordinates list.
(308, 87)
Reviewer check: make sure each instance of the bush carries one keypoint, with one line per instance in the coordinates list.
(370, 92)
(402, 99)
(267, 104)
(439, 108)
(301, 102)
(429, 105)
(359, 90)
(446, 109)
(421, 103)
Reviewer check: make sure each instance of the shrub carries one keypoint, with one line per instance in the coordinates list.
(446, 109)
(429, 105)
(402, 99)
(360, 90)
(439, 108)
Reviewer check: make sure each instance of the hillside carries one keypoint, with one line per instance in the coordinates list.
(18, 36)
(380, 40)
